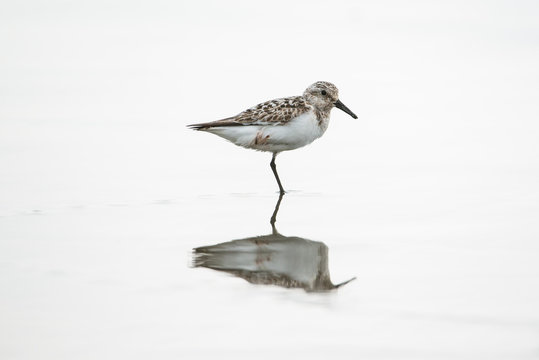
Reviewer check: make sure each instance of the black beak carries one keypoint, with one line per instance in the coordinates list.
(338, 104)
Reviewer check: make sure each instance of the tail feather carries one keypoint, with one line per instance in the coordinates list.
(198, 126)
(225, 122)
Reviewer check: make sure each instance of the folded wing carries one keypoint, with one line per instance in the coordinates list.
(269, 113)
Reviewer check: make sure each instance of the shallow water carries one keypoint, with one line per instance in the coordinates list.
(117, 280)
(430, 199)
(274, 259)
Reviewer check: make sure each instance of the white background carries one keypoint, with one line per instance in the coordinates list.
(430, 198)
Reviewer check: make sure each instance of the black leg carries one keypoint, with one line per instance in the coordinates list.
(275, 211)
(274, 169)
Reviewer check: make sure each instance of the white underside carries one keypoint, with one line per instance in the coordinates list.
(297, 133)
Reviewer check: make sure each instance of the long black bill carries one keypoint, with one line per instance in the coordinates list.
(338, 104)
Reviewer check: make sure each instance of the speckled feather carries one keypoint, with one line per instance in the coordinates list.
(272, 112)
(281, 124)
(281, 111)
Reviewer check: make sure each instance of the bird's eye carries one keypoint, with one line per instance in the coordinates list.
(323, 92)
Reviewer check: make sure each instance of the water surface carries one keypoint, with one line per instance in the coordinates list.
(430, 199)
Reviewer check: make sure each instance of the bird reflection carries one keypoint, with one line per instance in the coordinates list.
(274, 259)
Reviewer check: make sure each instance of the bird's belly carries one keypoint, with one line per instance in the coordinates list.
(239, 135)
(297, 133)
(282, 138)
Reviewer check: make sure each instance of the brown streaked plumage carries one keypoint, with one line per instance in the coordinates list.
(281, 124)
(272, 112)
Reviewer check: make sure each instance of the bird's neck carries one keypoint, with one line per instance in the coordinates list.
(322, 115)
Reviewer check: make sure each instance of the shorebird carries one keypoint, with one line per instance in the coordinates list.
(281, 124)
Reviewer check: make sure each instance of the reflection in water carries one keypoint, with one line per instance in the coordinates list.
(273, 259)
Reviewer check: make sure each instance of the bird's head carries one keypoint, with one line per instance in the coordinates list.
(324, 96)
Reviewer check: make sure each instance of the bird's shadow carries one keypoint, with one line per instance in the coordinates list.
(274, 259)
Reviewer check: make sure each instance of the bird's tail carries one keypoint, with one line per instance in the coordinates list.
(198, 126)
(231, 121)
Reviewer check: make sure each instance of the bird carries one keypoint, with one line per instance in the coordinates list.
(281, 124)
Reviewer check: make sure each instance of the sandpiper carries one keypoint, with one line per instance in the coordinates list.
(281, 124)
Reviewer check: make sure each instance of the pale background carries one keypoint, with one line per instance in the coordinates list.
(430, 198)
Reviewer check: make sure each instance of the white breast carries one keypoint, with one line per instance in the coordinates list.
(298, 132)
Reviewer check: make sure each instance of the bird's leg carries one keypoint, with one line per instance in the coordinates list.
(274, 169)
(274, 216)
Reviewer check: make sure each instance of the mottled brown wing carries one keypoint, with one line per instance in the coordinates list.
(273, 112)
